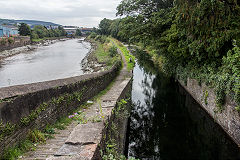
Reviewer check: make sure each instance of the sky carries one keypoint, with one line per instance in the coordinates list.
(82, 13)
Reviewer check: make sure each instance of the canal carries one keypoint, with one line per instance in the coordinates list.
(166, 123)
(56, 61)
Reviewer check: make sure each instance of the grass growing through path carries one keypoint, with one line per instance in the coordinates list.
(34, 137)
(130, 59)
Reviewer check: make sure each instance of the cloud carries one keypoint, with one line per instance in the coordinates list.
(86, 13)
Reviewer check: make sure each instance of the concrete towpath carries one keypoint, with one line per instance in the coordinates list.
(79, 141)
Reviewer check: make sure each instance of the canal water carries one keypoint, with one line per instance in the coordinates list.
(166, 123)
(56, 61)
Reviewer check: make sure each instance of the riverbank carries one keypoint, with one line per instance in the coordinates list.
(101, 57)
(30, 47)
(90, 63)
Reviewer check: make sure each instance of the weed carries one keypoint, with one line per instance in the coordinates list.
(36, 136)
(100, 108)
(49, 130)
(206, 97)
(33, 137)
(95, 119)
(80, 118)
(237, 108)
(62, 123)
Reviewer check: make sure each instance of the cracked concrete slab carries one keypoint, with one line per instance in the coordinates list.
(83, 134)
(68, 150)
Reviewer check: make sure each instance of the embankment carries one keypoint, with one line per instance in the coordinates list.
(33, 106)
(10, 43)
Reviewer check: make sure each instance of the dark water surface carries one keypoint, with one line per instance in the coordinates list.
(166, 123)
(56, 61)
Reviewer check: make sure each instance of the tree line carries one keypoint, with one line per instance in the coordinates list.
(197, 39)
(39, 31)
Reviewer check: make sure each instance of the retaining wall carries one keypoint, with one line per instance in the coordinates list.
(33, 106)
(228, 119)
(115, 129)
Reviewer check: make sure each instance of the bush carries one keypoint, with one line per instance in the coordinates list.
(101, 39)
(93, 35)
(113, 51)
(10, 40)
(3, 41)
(34, 35)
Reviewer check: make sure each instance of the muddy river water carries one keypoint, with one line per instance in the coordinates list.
(56, 61)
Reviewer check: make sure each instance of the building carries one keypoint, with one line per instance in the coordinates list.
(8, 30)
(51, 27)
(86, 30)
(70, 30)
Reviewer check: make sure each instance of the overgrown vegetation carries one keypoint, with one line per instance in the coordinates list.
(130, 59)
(33, 138)
(105, 52)
(186, 39)
(107, 47)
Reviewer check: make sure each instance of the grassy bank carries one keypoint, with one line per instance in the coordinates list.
(106, 52)
(130, 59)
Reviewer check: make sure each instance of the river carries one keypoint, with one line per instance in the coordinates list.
(166, 123)
(56, 61)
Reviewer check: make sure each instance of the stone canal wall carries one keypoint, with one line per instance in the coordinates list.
(33, 106)
(228, 118)
(115, 130)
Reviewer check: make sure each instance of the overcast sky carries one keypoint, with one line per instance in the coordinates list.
(82, 13)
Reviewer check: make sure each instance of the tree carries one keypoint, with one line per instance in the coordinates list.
(62, 30)
(41, 31)
(104, 26)
(142, 7)
(114, 28)
(24, 30)
(78, 32)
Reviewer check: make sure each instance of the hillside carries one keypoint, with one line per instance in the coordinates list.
(30, 22)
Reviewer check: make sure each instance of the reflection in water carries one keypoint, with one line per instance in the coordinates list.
(59, 60)
(166, 123)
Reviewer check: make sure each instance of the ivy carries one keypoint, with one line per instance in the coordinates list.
(225, 79)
